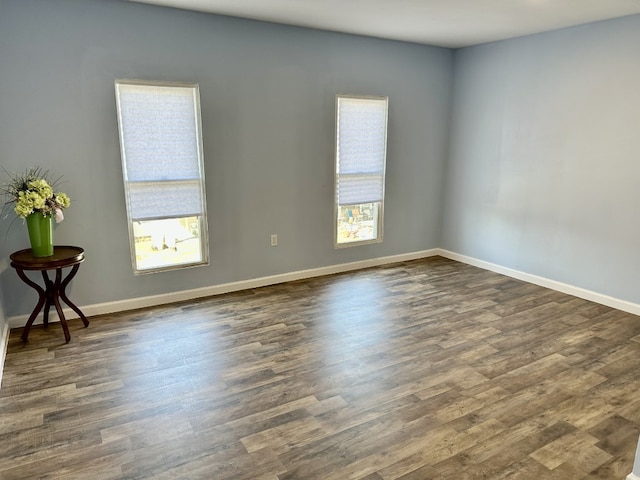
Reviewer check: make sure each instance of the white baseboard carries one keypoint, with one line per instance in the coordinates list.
(4, 342)
(616, 303)
(171, 297)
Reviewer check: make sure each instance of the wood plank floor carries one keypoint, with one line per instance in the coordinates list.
(429, 369)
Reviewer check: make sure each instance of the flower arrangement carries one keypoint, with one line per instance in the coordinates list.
(32, 192)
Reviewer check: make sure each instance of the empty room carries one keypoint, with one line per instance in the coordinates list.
(309, 239)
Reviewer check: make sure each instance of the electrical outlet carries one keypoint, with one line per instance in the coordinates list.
(274, 239)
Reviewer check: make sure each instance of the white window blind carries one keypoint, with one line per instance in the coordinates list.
(160, 149)
(360, 149)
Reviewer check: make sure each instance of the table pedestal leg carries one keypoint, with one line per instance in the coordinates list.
(48, 288)
(52, 291)
(55, 297)
(51, 295)
(41, 301)
(66, 300)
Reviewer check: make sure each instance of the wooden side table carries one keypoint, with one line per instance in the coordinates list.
(63, 256)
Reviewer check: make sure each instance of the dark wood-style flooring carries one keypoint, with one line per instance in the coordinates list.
(429, 369)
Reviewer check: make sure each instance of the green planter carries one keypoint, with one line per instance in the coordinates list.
(40, 234)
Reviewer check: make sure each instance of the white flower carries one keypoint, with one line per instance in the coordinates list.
(59, 215)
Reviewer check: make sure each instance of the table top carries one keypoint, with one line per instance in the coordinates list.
(63, 256)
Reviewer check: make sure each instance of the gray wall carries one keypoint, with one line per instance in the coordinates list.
(3, 320)
(3, 323)
(267, 96)
(544, 167)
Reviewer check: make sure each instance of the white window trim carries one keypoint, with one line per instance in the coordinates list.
(204, 238)
(380, 220)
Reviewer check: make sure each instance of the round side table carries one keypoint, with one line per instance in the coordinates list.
(63, 256)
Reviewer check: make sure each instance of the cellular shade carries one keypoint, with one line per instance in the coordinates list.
(360, 149)
(160, 150)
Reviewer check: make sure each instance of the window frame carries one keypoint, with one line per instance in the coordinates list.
(379, 222)
(202, 219)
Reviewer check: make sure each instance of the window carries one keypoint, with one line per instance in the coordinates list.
(163, 172)
(361, 150)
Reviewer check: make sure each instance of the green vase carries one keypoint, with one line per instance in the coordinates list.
(40, 234)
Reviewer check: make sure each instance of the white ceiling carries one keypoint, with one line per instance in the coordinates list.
(446, 23)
